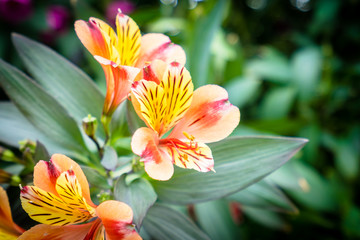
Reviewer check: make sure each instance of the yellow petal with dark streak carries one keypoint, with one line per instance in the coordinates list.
(129, 39)
(47, 208)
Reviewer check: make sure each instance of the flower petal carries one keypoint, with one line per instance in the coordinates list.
(189, 154)
(118, 83)
(159, 46)
(91, 37)
(5, 235)
(117, 219)
(65, 163)
(210, 117)
(157, 164)
(162, 106)
(45, 175)
(96, 232)
(7, 227)
(150, 103)
(46, 232)
(129, 39)
(67, 208)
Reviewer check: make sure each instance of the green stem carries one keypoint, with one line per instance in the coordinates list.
(105, 120)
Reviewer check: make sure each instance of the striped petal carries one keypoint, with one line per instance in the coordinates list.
(46, 174)
(117, 219)
(189, 154)
(129, 40)
(157, 163)
(159, 46)
(210, 118)
(8, 229)
(68, 207)
(46, 232)
(99, 38)
(162, 105)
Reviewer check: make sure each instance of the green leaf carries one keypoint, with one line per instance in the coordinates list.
(271, 66)
(239, 162)
(277, 103)
(40, 152)
(241, 90)
(163, 223)
(109, 160)
(138, 194)
(306, 68)
(133, 119)
(119, 126)
(215, 218)
(41, 109)
(74, 90)
(95, 178)
(15, 127)
(264, 195)
(265, 217)
(199, 53)
(346, 153)
(304, 184)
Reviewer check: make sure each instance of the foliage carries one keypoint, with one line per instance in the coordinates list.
(289, 67)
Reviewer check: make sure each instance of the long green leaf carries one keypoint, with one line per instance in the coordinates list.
(163, 223)
(139, 194)
(15, 127)
(203, 36)
(239, 162)
(264, 195)
(41, 109)
(74, 90)
(215, 218)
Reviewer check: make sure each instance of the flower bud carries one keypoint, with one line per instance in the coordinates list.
(7, 155)
(27, 146)
(90, 124)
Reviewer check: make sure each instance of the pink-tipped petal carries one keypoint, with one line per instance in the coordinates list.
(117, 219)
(91, 37)
(157, 163)
(45, 175)
(210, 117)
(162, 170)
(158, 46)
(155, 71)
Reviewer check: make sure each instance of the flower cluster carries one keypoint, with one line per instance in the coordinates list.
(149, 71)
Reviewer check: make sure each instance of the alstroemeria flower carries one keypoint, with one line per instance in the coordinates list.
(166, 100)
(123, 54)
(60, 200)
(8, 229)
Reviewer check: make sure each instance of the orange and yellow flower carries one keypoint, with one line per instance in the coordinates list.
(164, 100)
(123, 54)
(8, 229)
(60, 200)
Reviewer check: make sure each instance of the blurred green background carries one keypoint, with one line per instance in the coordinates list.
(293, 69)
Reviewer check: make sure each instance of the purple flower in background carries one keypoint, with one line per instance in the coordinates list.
(57, 18)
(126, 7)
(15, 11)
